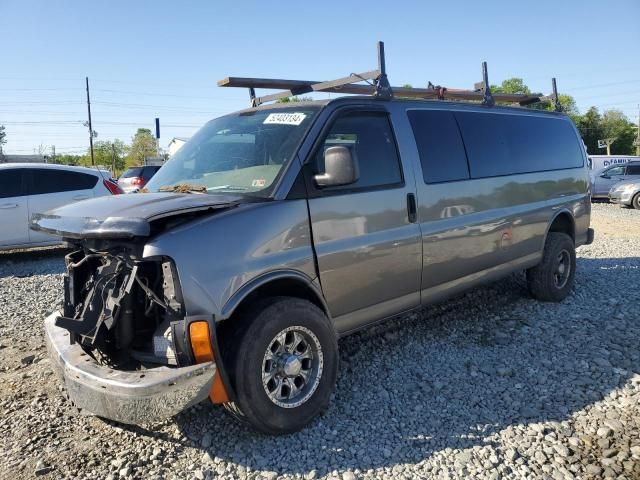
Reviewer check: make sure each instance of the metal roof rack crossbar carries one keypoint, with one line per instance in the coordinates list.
(378, 86)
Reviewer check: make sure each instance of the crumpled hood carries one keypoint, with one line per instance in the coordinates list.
(125, 216)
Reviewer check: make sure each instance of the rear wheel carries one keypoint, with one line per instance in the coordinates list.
(636, 201)
(552, 279)
(284, 365)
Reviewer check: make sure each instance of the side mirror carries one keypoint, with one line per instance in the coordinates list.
(604, 175)
(340, 168)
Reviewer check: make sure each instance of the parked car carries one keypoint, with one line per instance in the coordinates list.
(605, 179)
(626, 193)
(28, 188)
(136, 177)
(278, 229)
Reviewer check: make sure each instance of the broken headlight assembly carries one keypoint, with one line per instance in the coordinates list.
(125, 312)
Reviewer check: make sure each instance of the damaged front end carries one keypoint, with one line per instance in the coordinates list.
(122, 342)
(123, 311)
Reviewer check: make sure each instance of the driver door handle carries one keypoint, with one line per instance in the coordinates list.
(7, 206)
(81, 197)
(412, 211)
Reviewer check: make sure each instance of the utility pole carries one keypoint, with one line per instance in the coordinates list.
(637, 142)
(113, 159)
(53, 154)
(157, 137)
(90, 128)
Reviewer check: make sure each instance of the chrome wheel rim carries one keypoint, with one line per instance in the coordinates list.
(563, 269)
(292, 367)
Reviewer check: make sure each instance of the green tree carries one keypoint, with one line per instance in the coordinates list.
(511, 85)
(590, 128)
(104, 154)
(143, 144)
(616, 125)
(295, 98)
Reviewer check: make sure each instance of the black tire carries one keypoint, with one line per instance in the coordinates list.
(544, 280)
(636, 201)
(257, 329)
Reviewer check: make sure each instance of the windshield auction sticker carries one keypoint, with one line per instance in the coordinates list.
(285, 118)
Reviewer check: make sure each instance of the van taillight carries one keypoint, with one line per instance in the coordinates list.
(112, 187)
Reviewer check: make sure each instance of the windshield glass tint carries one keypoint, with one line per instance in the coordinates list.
(241, 153)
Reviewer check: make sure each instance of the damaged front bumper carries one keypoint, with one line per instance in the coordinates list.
(135, 397)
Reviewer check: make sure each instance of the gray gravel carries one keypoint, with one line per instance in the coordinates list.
(489, 385)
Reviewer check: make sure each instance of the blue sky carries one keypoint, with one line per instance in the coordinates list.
(160, 58)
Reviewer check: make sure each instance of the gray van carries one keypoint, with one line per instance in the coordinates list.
(280, 228)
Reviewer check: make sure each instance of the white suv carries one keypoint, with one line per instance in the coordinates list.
(28, 188)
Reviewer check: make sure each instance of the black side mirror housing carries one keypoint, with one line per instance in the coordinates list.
(340, 168)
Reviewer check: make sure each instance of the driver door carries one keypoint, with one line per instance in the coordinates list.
(368, 247)
(607, 179)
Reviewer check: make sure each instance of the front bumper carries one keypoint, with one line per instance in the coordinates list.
(137, 397)
(620, 197)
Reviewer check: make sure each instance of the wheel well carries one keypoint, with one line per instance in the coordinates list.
(230, 330)
(563, 223)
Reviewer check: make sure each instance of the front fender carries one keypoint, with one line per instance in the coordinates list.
(248, 288)
(218, 256)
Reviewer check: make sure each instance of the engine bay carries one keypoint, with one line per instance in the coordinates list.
(125, 312)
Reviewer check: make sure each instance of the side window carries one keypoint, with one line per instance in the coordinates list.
(148, 173)
(53, 181)
(11, 184)
(507, 144)
(369, 137)
(615, 171)
(633, 169)
(440, 146)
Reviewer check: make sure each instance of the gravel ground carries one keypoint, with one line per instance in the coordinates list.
(489, 385)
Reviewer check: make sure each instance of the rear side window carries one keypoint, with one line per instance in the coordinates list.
(132, 172)
(369, 137)
(11, 184)
(440, 146)
(633, 169)
(53, 181)
(504, 144)
(149, 172)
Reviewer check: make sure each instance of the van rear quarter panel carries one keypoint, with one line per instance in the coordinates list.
(473, 225)
(503, 219)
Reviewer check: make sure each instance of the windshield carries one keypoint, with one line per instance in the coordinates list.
(241, 153)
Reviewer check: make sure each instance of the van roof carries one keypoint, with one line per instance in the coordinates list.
(418, 103)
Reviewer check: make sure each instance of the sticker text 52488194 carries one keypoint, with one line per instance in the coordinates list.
(294, 118)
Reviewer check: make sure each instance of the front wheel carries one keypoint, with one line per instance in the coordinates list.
(284, 365)
(552, 279)
(636, 201)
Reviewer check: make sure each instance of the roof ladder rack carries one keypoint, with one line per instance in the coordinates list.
(487, 98)
(383, 89)
(379, 87)
(554, 96)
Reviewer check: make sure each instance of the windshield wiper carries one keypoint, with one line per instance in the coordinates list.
(184, 188)
(228, 187)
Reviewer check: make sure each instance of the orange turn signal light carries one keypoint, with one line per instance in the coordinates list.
(203, 352)
(200, 341)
